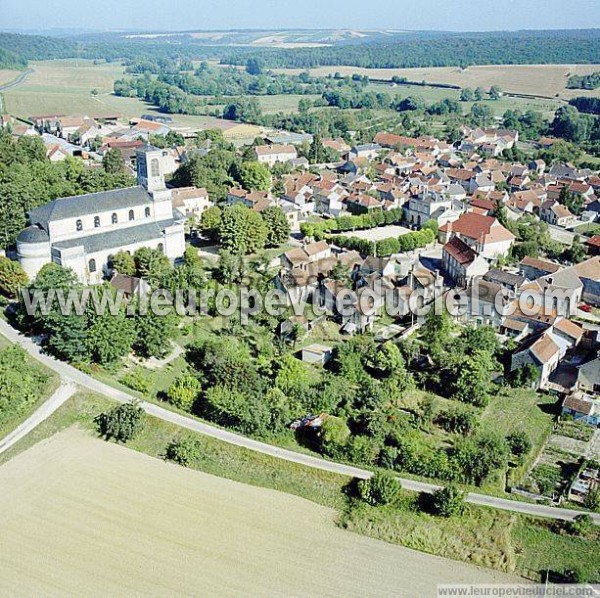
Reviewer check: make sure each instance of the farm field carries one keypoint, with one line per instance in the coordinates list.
(544, 80)
(159, 528)
(64, 87)
(7, 75)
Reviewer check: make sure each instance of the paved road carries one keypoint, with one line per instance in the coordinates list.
(70, 374)
(16, 81)
(64, 392)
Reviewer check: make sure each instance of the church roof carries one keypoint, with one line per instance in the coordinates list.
(33, 234)
(116, 239)
(92, 203)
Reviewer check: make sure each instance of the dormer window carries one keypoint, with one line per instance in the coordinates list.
(96, 221)
(131, 215)
(147, 212)
(114, 218)
(79, 225)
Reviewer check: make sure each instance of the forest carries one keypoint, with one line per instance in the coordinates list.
(419, 49)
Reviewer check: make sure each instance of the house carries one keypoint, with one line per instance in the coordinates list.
(317, 354)
(593, 245)
(461, 262)
(507, 280)
(83, 233)
(483, 233)
(533, 268)
(582, 408)
(272, 154)
(309, 253)
(555, 213)
(540, 351)
(367, 151)
(191, 201)
(588, 375)
(130, 286)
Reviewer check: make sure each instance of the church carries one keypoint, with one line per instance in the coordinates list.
(84, 232)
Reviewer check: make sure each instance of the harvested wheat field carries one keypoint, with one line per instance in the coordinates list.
(83, 517)
(534, 79)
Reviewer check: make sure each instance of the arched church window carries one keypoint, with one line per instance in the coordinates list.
(79, 225)
(147, 212)
(154, 167)
(161, 247)
(96, 221)
(114, 218)
(131, 215)
(92, 265)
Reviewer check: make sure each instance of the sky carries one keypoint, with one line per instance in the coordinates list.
(451, 15)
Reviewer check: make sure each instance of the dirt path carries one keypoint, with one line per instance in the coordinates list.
(83, 517)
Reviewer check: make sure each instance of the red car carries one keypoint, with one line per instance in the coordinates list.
(586, 308)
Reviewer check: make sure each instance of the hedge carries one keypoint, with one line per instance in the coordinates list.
(385, 247)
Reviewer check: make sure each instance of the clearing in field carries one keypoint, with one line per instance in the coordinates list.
(81, 516)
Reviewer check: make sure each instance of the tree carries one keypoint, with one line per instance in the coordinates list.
(151, 265)
(124, 263)
(383, 488)
(278, 227)
(109, 337)
(184, 391)
(473, 380)
(495, 92)
(122, 423)
(231, 268)
(210, 222)
(254, 176)
(153, 334)
(242, 230)
(334, 435)
(466, 95)
(437, 329)
(253, 66)
(448, 501)
(112, 162)
(12, 277)
(479, 94)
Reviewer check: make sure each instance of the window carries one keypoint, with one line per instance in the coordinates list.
(114, 218)
(131, 215)
(161, 247)
(147, 212)
(79, 225)
(154, 167)
(92, 265)
(96, 221)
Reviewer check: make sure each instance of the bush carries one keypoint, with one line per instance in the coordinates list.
(582, 525)
(382, 489)
(138, 380)
(519, 443)
(121, 423)
(448, 501)
(184, 392)
(184, 452)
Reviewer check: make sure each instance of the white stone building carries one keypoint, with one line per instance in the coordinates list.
(84, 232)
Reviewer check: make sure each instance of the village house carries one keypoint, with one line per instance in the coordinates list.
(272, 154)
(191, 201)
(483, 233)
(461, 262)
(542, 352)
(555, 213)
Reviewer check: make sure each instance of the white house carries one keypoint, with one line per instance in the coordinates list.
(271, 154)
(84, 232)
